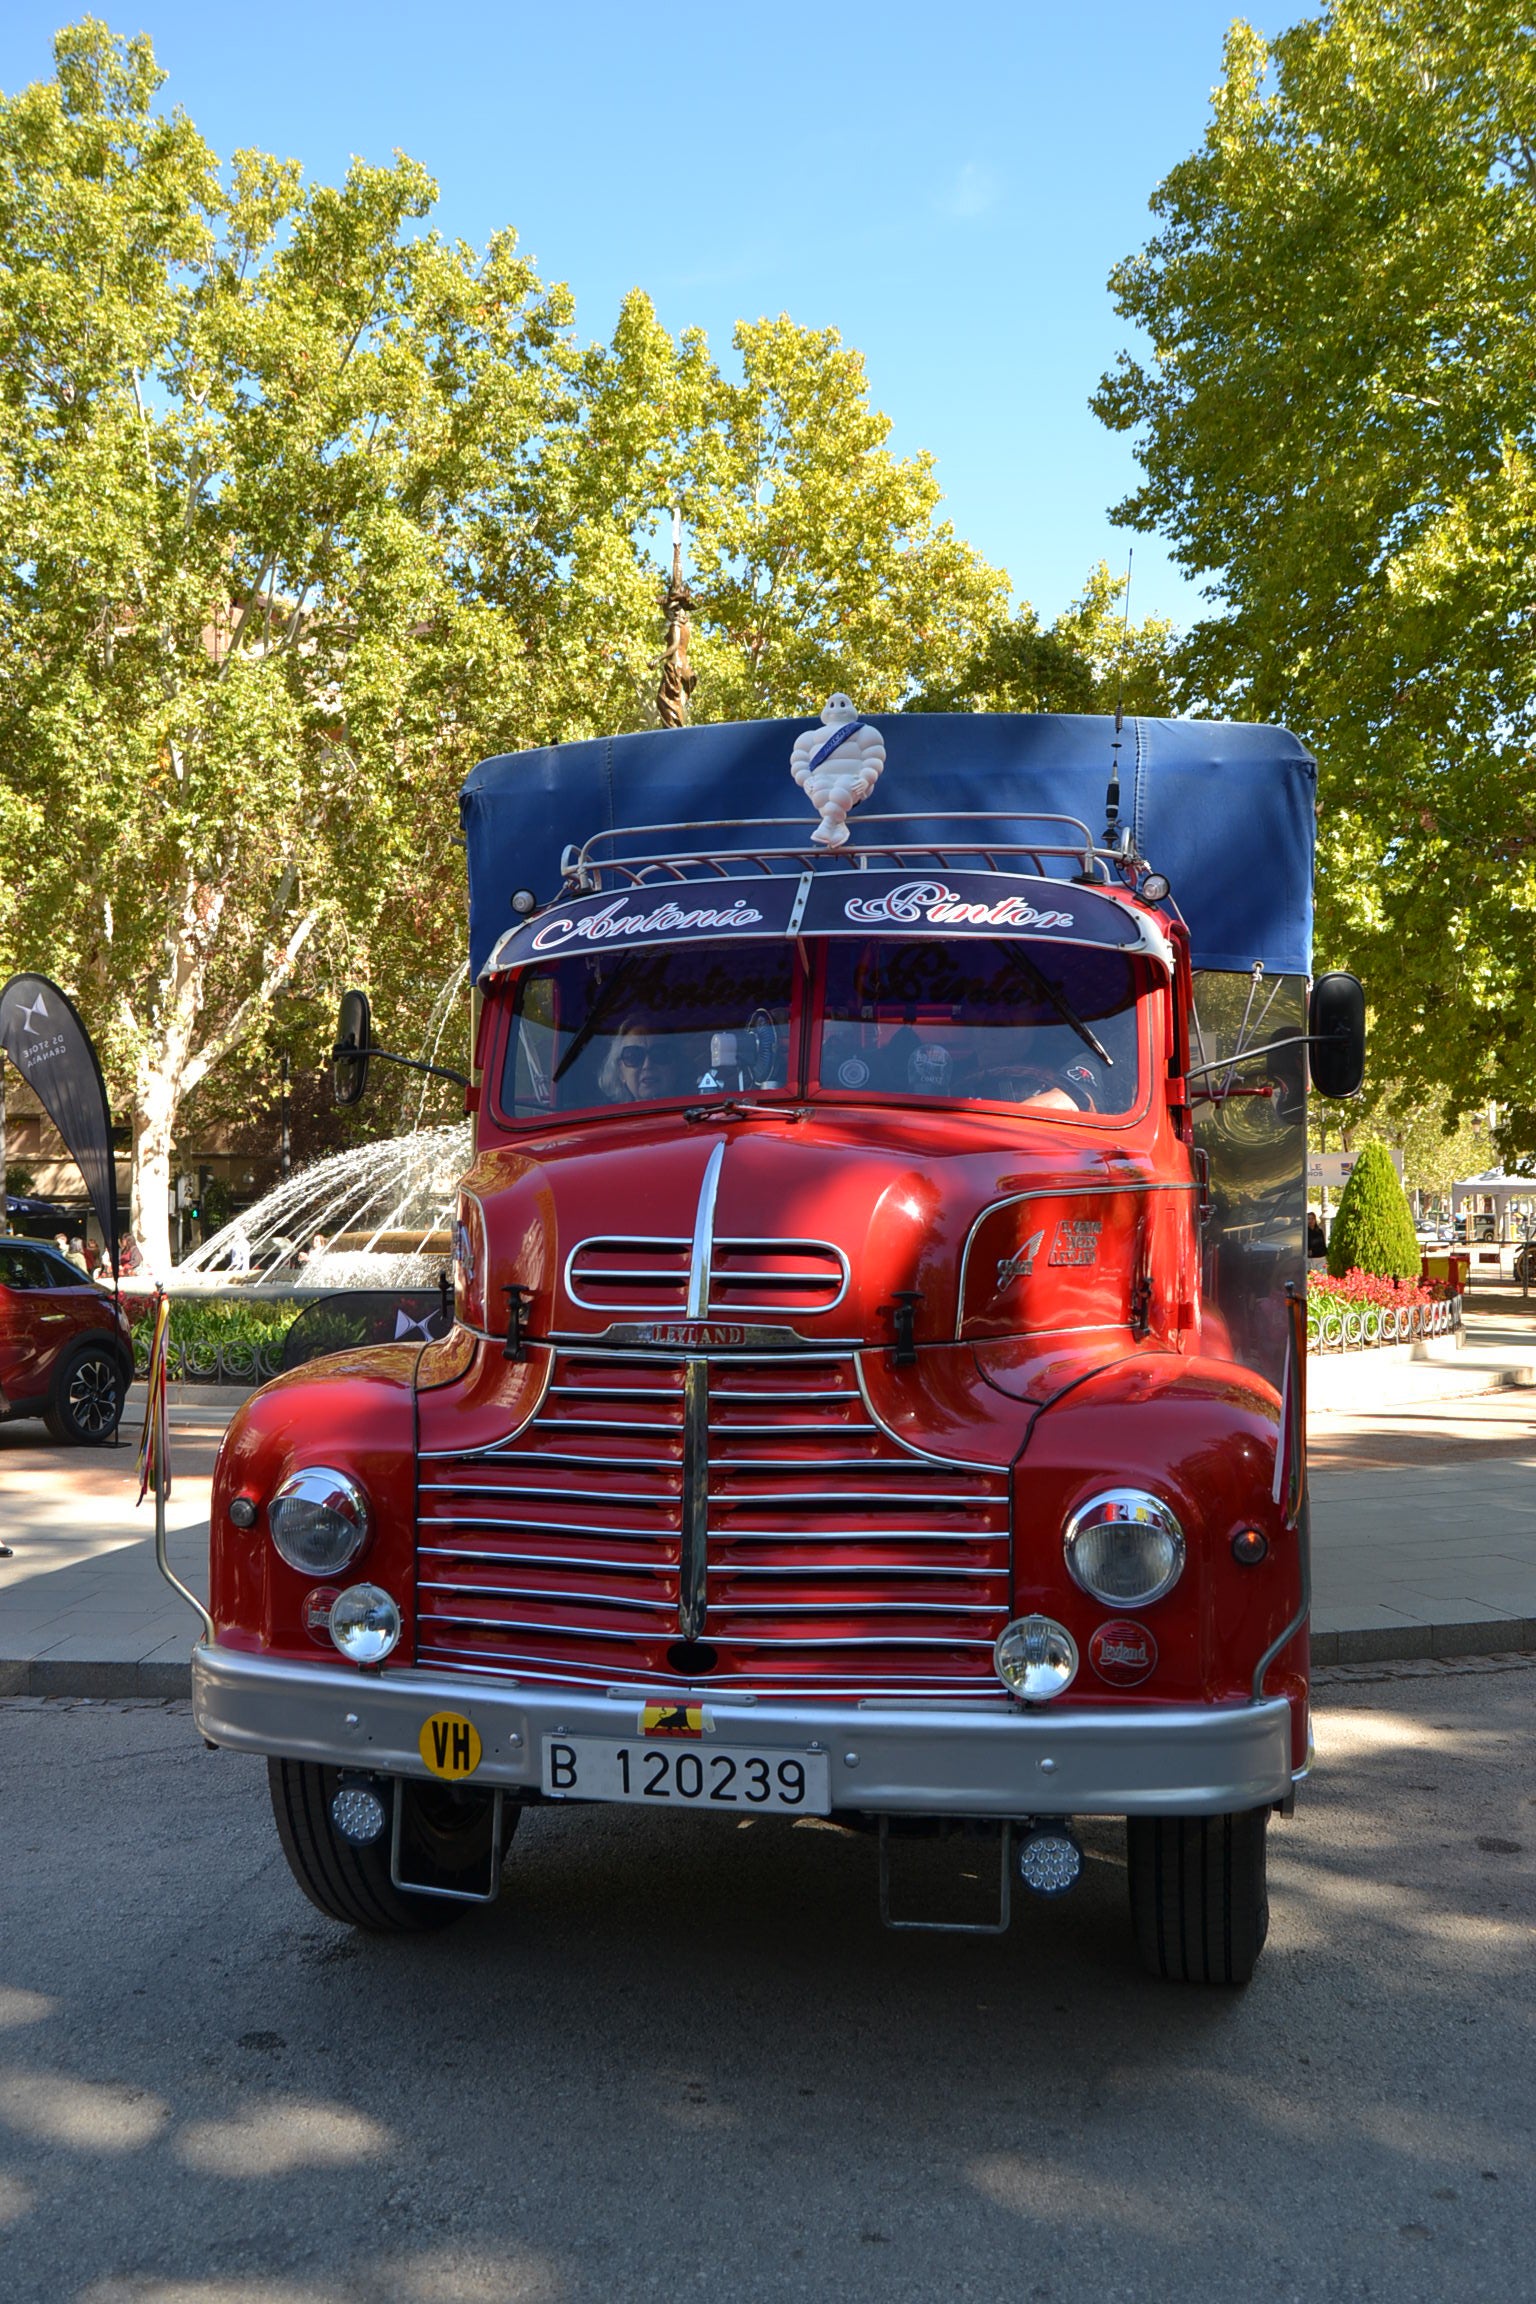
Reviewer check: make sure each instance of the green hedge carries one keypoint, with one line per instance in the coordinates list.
(218, 1322)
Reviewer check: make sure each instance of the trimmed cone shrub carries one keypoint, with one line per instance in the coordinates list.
(1373, 1231)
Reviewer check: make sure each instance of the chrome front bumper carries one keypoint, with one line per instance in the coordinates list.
(938, 1758)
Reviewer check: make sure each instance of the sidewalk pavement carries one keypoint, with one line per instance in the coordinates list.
(1423, 1532)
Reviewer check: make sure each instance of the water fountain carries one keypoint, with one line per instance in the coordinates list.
(378, 1216)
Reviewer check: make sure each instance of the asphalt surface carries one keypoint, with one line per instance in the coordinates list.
(683, 2060)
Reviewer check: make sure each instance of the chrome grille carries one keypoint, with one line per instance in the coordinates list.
(831, 1557)
(640, 1274)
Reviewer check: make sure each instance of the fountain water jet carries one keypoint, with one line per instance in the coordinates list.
(384, 1211)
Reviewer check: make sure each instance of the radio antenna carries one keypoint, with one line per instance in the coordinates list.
(1112, 796)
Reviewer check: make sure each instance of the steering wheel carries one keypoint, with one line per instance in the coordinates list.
(1020, 1083)
(763, 1043)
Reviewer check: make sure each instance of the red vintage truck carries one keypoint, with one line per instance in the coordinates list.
(875, 1387)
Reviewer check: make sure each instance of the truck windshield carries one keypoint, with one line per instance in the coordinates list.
(1046, 1027)
(649, 1027)
(1043, 1027)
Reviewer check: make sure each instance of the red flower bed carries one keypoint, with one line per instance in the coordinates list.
(1358, 1287)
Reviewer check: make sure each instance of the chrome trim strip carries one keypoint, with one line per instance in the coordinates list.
(836, 1569)
(1048, 1192)
(819, 1536)
(693, 1571)
(646, 1565)
(662, 1606)
(840, 1499)
(697, 1307)
(924, 1755)
(664, 1497)
(936, 1608)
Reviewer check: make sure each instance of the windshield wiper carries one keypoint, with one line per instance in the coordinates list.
(1059, 1002)
(594, 1017)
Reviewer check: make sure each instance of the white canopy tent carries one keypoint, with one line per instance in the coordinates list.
(1493, 1193)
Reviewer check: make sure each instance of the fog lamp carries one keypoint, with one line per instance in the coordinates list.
(1035, 1657)
(1050, 1860)
(365, 1623)
(1125, 1547)
(358, 1813)
(319, 1520)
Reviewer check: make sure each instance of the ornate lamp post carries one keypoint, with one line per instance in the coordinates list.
(678, 680)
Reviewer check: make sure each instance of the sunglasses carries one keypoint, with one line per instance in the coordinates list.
(631, 1059)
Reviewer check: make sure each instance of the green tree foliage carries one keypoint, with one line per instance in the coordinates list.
(1373, 1231)
(1436, 1151)
(1088, 660)
(304, 509)
(1336, 423)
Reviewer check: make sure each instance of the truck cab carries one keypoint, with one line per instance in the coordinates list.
(874, 1389)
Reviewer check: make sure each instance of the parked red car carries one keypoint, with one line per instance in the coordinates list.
(66, 1349)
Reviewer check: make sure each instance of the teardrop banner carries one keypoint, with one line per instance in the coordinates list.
(44, 1038)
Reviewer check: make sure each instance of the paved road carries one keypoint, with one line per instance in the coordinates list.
(681, 2061)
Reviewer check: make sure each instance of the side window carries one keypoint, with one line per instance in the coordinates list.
(26, 1268)
(531, 1049)
(58, 1272)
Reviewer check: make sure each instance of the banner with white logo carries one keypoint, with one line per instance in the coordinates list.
(44, 1038)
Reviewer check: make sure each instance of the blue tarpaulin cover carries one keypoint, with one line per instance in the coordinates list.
(1225, 809)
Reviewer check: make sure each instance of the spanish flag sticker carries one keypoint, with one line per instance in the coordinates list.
(672, 1720)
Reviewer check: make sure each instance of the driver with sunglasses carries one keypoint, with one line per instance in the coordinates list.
(640, 1069)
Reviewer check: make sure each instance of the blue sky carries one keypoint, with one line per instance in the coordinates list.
(947, 187)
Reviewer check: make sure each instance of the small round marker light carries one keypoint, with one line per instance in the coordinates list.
(358, 1813)
(1155, 887)
(1249, 1547)
(242, 1511)
(365, 1623)
(1050, 1860)
(1035, 1657)
(524, 901)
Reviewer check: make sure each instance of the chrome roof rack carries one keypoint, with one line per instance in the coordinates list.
(587, 872)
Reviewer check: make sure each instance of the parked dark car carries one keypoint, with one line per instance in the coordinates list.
(66, 1349)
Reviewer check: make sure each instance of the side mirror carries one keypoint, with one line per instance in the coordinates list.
(1336, 1024)
(354, 1038)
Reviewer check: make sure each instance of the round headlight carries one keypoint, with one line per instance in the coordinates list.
(1126, 1548)
(1035, 1657)
(319, 1520)
(365, 1623)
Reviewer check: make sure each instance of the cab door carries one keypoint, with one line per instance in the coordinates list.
(35, 1319)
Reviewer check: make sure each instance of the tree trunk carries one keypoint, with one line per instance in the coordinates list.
(169, 1070)
(154, 1118)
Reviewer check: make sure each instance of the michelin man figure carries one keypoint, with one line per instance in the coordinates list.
(836, 766)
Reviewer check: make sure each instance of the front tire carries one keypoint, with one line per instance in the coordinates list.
(442, 1832)
(88, 1395)
(1199, 1896)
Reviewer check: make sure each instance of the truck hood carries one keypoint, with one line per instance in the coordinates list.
(821, 1225)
